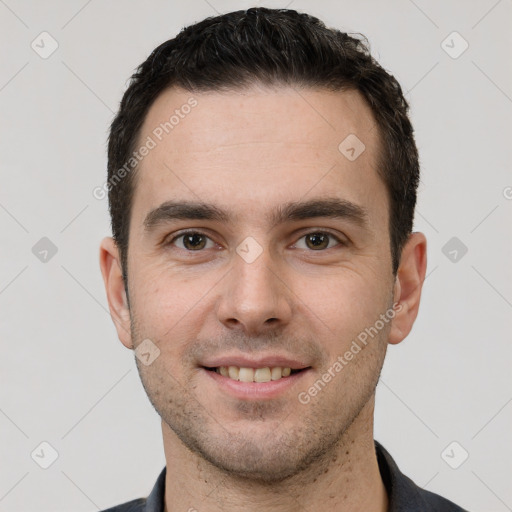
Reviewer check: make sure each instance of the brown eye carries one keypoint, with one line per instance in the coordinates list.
(319, 240)
(191, 241)
(194, 241)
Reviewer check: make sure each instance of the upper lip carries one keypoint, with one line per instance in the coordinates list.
(269, 361)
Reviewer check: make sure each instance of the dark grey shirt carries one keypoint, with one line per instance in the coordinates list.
(404, 495)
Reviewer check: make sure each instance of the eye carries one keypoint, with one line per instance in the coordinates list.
(191, 241)
(195, 241)
(319, 240)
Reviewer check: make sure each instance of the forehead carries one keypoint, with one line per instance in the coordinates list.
(257, 147)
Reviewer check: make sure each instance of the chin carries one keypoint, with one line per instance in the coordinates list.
(264, 469)
(265, 455)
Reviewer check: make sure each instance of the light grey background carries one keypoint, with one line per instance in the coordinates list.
(65, 377)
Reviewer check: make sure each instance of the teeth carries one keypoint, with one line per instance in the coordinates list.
(244, 374)
(233, 372)
(276, 373)
(262, 375)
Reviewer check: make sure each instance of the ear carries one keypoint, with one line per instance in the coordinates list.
(408, 284)
(110, 264)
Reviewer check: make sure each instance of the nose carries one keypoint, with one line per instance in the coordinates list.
(255, 297)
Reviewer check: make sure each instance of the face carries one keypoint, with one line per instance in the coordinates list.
(256, 243)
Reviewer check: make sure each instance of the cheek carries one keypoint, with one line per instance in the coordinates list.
(164, 303)
(348, 303)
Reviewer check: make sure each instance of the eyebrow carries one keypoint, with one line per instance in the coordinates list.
(333, 207)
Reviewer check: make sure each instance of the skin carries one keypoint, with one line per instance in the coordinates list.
(248, 152)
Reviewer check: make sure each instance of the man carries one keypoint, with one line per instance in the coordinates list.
(262, 184)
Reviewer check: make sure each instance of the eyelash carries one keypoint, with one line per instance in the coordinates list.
(316, 232)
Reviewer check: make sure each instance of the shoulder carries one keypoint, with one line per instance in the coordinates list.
(416, 498)
(153, 503)
(441, 504)
(404, 495)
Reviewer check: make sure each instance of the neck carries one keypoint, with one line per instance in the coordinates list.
(346, 479)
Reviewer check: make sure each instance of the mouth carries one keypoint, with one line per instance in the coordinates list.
(266, 377)
(259, 374)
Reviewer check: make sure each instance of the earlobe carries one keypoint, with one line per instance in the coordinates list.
(114, 286)
(408, 285)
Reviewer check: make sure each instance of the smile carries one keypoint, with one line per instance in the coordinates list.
(259, 377)
(246, 374)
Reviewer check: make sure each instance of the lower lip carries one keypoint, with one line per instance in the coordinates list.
(256, 390)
